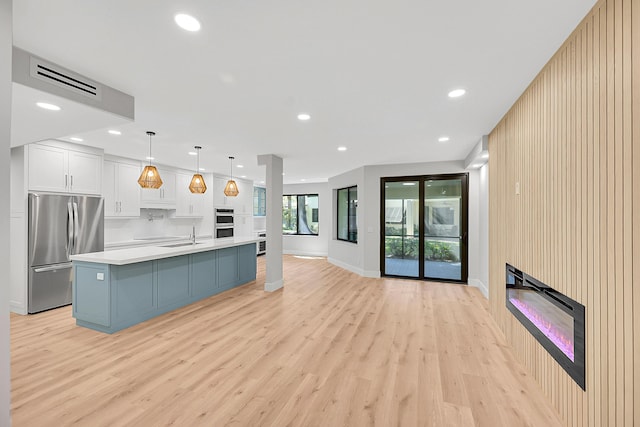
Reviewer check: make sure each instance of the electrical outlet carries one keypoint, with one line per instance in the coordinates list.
(100, 276)
(517, 188)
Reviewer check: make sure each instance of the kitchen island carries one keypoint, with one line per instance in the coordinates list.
(116, 289)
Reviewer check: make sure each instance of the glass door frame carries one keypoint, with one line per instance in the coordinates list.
(464, 232)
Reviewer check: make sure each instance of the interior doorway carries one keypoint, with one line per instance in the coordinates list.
(424, 221)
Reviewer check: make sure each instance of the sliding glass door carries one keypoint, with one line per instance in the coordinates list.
(401, 228)
(425, 227)
(444, 228)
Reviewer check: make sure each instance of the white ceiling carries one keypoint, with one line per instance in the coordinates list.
(374, 75)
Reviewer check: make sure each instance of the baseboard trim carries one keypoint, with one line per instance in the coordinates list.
(476, 283)
(18, 308)
(304, 253)
(274, 286)
(346, 266)
(372, 274)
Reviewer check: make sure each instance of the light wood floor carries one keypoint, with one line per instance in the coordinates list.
(331, 349)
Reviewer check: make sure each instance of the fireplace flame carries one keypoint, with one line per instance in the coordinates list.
(565, 344)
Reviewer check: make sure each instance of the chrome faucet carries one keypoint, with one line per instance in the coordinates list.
(193, 235)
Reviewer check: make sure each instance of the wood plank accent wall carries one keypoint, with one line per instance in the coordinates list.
(572, 141)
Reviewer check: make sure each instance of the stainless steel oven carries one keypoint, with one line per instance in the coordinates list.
(224, 223)
(262, 244)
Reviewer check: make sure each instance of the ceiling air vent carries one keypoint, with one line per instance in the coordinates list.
(63, 78)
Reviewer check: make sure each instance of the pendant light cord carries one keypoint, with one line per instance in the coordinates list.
(150, 133)
(197, 148)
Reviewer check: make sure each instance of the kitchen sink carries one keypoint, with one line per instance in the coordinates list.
(179, 245)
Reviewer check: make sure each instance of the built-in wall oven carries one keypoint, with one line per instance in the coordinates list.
(224, 223)
(262, 244)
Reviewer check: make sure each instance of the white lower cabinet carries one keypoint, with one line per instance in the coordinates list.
(243, 225)
(189, 204)
(121, 189)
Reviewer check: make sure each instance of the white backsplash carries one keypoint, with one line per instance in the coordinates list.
(122, 230)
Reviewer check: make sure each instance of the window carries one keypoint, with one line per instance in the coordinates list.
(347, 210)
(259, 201)
(300, 214)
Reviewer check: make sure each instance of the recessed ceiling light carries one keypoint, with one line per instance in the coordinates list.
(342, 148)
(187, 22)
(303, 116)
(115, 132)
(48, 106)
(282, 173)
(76, 139)
(150, 158)
(302, 179)
(193, 153)
(409, 183)
(457, 93)
(443, 139)
(201, 169)
(484, 155)
(476, 165)
(243, 176)
(261, 182)
(239, 166)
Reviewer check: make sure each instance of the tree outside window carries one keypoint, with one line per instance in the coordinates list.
(300, 214)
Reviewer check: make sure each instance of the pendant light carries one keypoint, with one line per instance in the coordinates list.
(150, 178)
(197, 184)
(231, 189)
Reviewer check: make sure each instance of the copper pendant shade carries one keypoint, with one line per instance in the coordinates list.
(150, 178)
(197, 184)
(231, 189)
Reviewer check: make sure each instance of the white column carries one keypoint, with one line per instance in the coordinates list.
(274, 279)
(6, 43)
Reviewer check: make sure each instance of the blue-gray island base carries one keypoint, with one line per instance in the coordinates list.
(108, 297)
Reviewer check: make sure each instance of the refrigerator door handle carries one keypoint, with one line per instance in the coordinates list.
(76, 225)
(53, 267)
(70, 229)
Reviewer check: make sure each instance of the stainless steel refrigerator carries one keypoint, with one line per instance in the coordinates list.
(59, 226)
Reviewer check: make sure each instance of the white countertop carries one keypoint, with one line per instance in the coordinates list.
(149, 253)
(151, 241)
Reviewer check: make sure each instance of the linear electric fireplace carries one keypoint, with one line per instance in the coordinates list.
(554, 319)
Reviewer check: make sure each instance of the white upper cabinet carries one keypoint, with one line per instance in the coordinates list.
(121, 189)
(189, 204)
(219, 199)
(163, 197)
(57, 169)
(244, 200)
(242, 203)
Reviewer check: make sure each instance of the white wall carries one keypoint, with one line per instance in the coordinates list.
(346, 254)
(5, 142)
(311, 245)
(364, 258)
(18, 256)
(483, 224)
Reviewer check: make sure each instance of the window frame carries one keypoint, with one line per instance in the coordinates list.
(259, 209)
(348, 190)
(297, 196)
